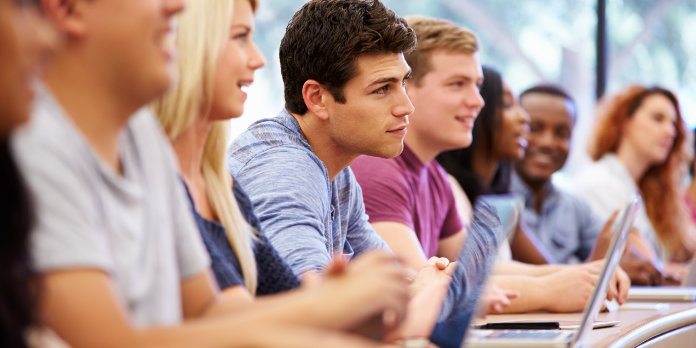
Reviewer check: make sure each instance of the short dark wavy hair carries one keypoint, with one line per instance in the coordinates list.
(554, 90)
(324, 39)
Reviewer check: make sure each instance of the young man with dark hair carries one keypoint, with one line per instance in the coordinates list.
(552, 116)
(343, 67)
(344, 71)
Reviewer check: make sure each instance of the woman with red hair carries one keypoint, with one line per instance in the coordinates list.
(638, 146)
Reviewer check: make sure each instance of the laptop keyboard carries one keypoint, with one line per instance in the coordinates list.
(526, 334)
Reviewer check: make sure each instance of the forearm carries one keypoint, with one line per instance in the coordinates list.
(240, 332)
(237, 330)
(531, 293)
(520, 268)
(527, 248)
(303, 307)
(598, 253)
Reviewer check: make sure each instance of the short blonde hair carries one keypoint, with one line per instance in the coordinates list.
(433, 35)
(202, 32)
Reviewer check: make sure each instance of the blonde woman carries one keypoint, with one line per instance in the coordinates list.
(217, 59)
(214, 64)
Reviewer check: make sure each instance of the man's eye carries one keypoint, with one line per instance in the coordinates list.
(382, 90)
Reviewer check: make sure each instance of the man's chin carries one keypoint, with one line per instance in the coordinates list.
(389, 152)
(536, 177)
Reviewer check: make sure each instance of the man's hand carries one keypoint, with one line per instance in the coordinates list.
(641, 269)
(494, 299)
(437, 268)
(371, 284)
(618, 286)
(571, 287)
(428, 290)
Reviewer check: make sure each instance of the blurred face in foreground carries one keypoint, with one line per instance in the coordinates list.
(26, 41)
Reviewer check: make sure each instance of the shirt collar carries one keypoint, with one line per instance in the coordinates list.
(520, 188)
(411, 159)
(287, 120)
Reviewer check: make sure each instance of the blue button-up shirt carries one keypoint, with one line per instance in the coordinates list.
(566, 225)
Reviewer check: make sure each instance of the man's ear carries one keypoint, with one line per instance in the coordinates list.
(316, 97)
(67, 16)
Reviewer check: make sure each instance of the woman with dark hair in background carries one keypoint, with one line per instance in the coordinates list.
(25, 38)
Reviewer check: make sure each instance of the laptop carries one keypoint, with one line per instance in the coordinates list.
(566, 338)
(690, 279)
(661, 294)
(685, 293)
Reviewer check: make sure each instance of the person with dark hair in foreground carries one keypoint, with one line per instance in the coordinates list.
(27, 39)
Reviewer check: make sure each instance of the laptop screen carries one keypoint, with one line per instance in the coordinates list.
(621, 229)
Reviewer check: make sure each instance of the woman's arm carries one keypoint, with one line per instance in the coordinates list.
(352, 294)
(370, 284)
(83, 307)
(520, 268)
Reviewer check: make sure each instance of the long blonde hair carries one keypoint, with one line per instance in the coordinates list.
(202, 32)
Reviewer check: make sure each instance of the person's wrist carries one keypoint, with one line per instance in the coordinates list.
(413, 343)
(545, 286)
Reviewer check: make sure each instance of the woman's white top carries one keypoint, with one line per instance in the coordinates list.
(606, 185)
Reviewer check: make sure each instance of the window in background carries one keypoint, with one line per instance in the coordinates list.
(534, 41)
(651, 42)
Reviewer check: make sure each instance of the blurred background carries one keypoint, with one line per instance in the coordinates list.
(641, 41)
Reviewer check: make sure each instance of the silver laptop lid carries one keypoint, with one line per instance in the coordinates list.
(690, 280)
(621, 228)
